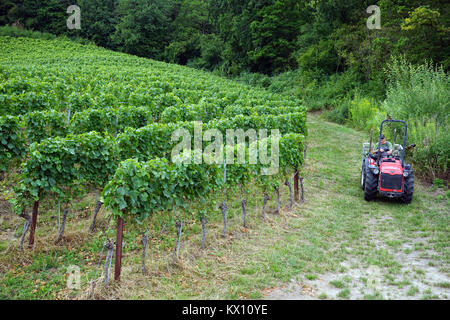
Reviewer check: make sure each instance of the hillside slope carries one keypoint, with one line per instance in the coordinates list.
(334, 235)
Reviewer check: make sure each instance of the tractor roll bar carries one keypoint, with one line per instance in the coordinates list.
(404, 138)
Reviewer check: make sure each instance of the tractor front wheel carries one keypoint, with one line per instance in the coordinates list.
(408, 188)
(370, 185)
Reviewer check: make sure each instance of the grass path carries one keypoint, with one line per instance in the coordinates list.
(334, 245)
(382, 249)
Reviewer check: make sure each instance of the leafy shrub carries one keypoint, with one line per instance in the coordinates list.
(341, 113)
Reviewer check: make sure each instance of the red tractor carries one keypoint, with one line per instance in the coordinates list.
(386, 174)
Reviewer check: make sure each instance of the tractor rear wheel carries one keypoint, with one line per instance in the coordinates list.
(408, 188)
(370, 185)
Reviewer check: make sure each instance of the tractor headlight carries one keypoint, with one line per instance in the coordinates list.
(376, 171)
(405, 173)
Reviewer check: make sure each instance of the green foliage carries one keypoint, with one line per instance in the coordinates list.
(425, 35)
(190, 27)
(341, 113)
(51, 167)
(59, 165)
(211, 47)
(18, 32)
(285, 123)
(195, 180)
(11, 141)
(111, 120)
(322, 56)
(273, 33)
(98, 20)
(172, 114)
(290, 159)
(267, 171)
(291, 153)
(154, 140)
(232, 37)
(420, 95)
(438, 183)
(41, 125)
(143, 27)
(431, 154)
(147, 142)
(417, 91)
(26, 101)
(234, 110)
(140, 189)
(164, 101)
(255, 79)
(79, 101)
(96, 157)
(238, 173)
(203, 112)
(364, 115)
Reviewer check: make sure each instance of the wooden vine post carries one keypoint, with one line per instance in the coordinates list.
(119, 237)
(296, 186)
(33, 224)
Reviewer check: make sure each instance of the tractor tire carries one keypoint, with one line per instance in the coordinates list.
(363, 176)
(370, 185)
(408, 187)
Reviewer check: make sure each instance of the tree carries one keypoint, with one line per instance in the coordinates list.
(192, 41)
(143, 27)
(426, 36)
(273, 35)
(8, 11)
(98, 20)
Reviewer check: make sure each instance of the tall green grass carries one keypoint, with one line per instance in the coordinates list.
(16, 32)
(19, 32)
(365, 114)
(420, 95)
